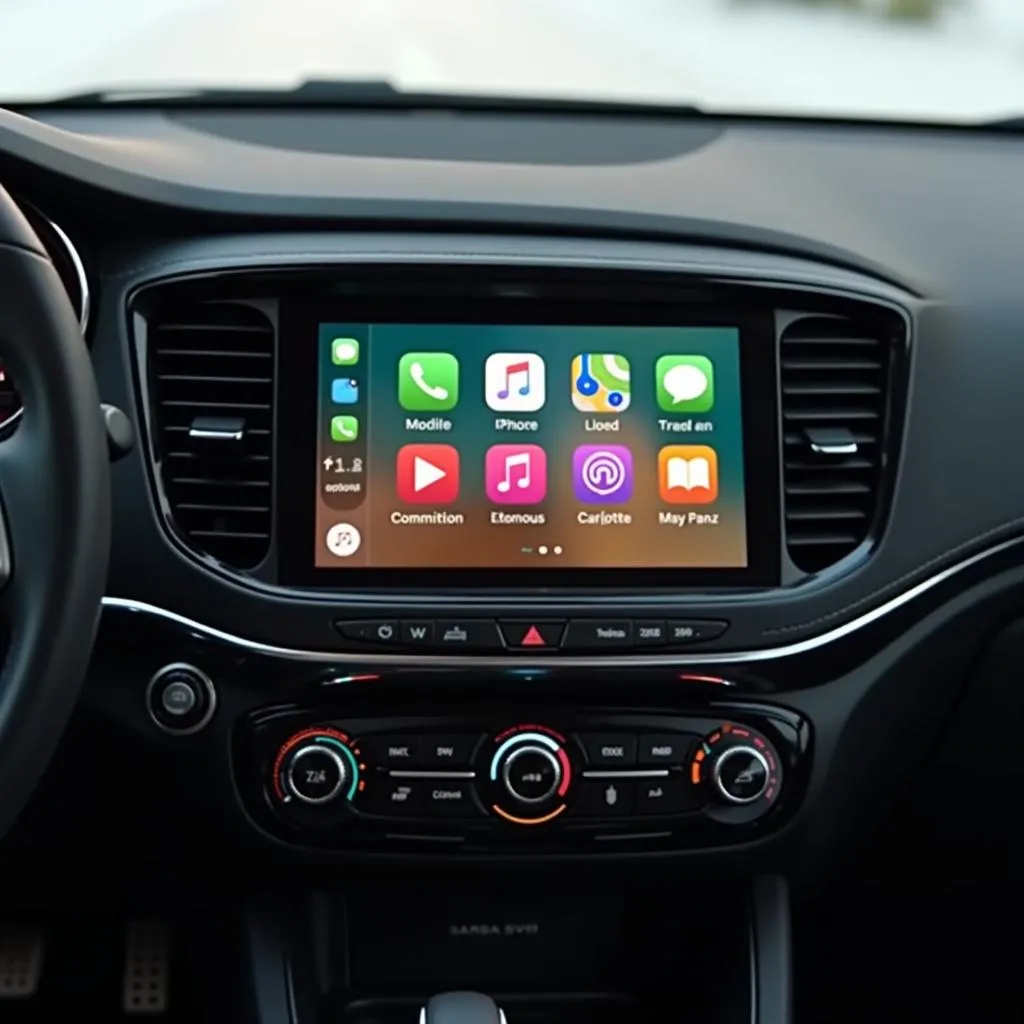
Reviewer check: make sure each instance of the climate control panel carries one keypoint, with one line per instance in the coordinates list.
(563, 781)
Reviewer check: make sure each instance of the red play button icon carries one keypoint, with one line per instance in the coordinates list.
(427, 474)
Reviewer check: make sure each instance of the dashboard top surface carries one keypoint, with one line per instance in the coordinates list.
(835, 192)
(924, 219)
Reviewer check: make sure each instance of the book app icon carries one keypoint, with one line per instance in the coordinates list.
(688, 474)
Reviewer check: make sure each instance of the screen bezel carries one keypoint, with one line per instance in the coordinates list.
(297, 431)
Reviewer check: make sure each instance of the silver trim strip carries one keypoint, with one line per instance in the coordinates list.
(215, 435)
(653, 773)
(403, 774)
(79, 268)
(680, 658)
(631, 837)
(836, 449)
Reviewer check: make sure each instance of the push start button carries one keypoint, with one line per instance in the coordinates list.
(180, 699)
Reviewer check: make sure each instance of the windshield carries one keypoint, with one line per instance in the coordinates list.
(944, 60)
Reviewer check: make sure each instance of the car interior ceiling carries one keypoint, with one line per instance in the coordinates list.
(381, 643)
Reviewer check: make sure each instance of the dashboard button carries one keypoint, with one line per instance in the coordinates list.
(694, 631)
(417, 633)
(392, 751)
(395, 798)
(673, 795)
(445, 799)
(448, 751)
(371, 631)
(598, 634)
(664, 749)
(180, 699)
(531, 635)
(650, 633)
(467, 634)
(606, 798)
(609, 750)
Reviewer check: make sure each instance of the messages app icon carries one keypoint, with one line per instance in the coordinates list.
(685, 383)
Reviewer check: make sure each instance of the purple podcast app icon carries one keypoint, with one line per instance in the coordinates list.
(602, 474)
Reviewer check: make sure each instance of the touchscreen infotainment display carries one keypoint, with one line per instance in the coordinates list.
(489, 446)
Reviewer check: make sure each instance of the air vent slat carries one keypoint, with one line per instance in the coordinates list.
(250, 406)
(216, 327)
(827, 540)
(211, 377)
(828, 487)
(814, 514)
(809, 364)
(831, 389)
(193, 379)
(214, 353)
(849, 463)
(834, 381)
(830, 414)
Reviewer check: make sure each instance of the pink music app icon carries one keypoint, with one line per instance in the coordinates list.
(514, 382)
(516, 474)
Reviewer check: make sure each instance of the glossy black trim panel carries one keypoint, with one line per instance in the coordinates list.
(796, 282)
(782, 650)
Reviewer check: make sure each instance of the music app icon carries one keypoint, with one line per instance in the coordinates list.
(516, 474)
(514, 382)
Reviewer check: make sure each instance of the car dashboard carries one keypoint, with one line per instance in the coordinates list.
(416, 557)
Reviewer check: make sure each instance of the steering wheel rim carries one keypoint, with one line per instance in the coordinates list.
(54, 512)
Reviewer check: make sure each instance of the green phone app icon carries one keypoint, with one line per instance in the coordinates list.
(344, 428)
(685, 383)
(344, 351)
(428, 381)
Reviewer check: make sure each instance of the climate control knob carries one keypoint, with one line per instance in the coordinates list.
(315, 774)
(741, 775)
(739, 772)
(316, 767)
(531, 774)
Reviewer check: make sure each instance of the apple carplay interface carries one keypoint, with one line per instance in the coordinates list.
(480, 446)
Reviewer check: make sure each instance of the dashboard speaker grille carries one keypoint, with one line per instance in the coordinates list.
(835, 378)
(212, 384)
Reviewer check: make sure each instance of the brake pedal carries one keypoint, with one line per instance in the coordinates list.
(147, 968)
(21, 961)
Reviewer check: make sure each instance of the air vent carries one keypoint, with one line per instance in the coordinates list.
(212, 380)
(835, 377)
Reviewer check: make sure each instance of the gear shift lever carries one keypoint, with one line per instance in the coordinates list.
(462, 1008)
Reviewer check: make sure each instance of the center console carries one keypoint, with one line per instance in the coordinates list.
(479, 781)
(479, 515)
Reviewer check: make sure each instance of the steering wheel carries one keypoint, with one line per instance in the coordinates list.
(54, 512)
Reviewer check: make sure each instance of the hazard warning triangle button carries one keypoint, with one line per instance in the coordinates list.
(533, 638)
(531, 635)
